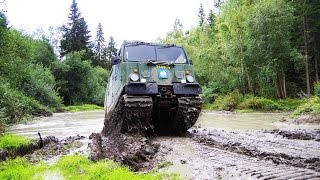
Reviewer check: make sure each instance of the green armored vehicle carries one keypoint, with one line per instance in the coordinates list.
(152, 89)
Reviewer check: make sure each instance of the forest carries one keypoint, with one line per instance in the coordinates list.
(255, 54)
(259, 48)
(35, 80)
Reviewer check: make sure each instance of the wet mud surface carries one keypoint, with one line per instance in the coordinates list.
(204, 153)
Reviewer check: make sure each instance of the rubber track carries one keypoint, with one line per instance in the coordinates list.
(189, 109)
(138, 112)
(132, 114)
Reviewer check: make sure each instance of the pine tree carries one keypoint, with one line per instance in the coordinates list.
(111, 50)
(211, 18)
(100, 48)
(201, 15)
(76, 34)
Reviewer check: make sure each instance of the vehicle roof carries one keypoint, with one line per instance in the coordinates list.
(125, 42)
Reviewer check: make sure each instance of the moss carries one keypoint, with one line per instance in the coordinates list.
(164, 164)
(10, 141)
(84, 107)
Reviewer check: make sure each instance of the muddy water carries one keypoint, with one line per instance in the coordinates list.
(247, 121)
(62, 125)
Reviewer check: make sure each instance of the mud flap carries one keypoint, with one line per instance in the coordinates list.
(141, 88)
(189, 88)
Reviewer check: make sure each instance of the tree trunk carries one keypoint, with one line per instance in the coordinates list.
(305, 32)
(316, 66)
(249, 80)
(284, 85)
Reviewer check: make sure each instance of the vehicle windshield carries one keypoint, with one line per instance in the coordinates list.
(143, 52)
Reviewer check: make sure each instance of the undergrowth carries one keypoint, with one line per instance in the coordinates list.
(236, 101)
(311, 106)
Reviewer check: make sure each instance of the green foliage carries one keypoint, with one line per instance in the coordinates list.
(250, 46)
(249, 103)
(79, 167)
(258, 103)
(228, 102)
(99, 49)
(26, 86)
(311, 106)
(76, 34)
(20, 168)
(10, 141)
(84, 107)
(111, 51)
(15, 106)
(79, 82)
(316, 87)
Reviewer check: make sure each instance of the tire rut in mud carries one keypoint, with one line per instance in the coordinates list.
(261, 154)
(302, 134)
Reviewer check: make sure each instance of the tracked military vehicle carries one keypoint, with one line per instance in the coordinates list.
(152, 89)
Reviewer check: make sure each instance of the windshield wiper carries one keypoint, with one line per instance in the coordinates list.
(152, 62)
(167, 46)
(136, 44)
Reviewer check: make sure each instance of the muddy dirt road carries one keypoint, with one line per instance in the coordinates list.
(225, 145)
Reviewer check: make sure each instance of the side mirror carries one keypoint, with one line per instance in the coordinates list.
(115, 60)
(190, 61)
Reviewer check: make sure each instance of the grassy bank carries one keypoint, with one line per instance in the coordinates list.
(10, 141)
(235, 101)
(84, 107)
(73, 167)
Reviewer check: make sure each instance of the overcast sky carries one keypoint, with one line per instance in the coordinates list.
(124, 19)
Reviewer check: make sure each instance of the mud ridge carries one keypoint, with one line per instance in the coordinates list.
(301, 134)
(241, 143)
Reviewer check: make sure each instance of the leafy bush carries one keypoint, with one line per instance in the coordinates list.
(311, 106)
(259, 103)
(208, 95)
(316, 88)
(228, 102)
(15, 106)
(10, 141)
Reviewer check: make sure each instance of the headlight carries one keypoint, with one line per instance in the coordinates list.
(134, 77)
(190, 79)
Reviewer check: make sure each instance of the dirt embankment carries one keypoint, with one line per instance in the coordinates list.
(44, 149)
